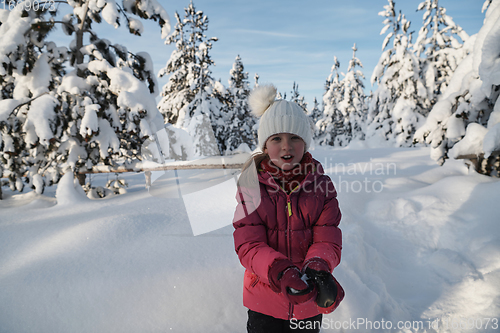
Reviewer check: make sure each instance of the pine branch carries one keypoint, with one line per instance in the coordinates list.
(23, 104)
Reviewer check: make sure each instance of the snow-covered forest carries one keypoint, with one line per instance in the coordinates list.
(69, 108)
(92, 103)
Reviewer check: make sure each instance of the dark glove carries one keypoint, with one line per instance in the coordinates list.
(317, 264)
(329, 292)
(326, 286)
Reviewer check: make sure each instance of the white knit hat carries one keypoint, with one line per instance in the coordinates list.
(278, 116)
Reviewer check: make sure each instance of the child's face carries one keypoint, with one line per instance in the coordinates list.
(285, 150)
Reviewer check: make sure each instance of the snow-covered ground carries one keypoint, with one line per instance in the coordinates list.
(421, 248)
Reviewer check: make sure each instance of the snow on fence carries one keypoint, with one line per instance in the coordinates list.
(214, 162)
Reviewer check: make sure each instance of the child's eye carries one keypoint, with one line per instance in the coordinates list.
(296, 138)
(276, 138)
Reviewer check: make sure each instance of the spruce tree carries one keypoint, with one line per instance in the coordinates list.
(443, 51)
(396, 108)
(191, 91)
(330, 123)
(352, 104)
(297, 98)
(238, 125)
(316, 111)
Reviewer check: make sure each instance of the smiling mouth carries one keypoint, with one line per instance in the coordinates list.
(287, 158)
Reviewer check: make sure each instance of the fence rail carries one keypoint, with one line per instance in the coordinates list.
(147, 171)
(164, 168)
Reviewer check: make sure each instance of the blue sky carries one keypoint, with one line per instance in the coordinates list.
(292, 40)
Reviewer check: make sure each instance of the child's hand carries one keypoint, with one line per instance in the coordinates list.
(295, 288)
(326, 285)
(329, 292)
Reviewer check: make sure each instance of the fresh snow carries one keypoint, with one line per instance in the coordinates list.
(420, 244)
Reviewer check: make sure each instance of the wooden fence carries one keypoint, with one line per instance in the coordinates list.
(147, 171)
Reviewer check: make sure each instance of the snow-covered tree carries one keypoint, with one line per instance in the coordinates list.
(330, 123)
(237, 126)
(315, 112)
(67, 108)
(400, 100)
(353, 103)
(297, 98)
(443, 51)
(191, 91)
(465, 122)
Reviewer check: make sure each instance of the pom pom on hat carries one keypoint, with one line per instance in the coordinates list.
(278, 116)
(261, 98)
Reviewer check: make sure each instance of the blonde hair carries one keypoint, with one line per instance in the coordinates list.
(247, 175)
(256, 158)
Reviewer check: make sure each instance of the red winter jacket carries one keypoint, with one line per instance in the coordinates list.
(271, 225)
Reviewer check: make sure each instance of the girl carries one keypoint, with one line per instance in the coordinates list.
(286, 224)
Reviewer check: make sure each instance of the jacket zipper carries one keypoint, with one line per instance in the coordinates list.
(288, 227)
(289, 245)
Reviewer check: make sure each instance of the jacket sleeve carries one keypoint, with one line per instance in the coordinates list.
(327, 237)
(250, 236)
